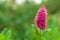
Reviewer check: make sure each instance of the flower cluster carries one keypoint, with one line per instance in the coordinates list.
(40, 19)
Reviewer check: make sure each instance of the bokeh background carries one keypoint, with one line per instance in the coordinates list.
(17, 20)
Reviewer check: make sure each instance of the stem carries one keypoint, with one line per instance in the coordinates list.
(41, 34)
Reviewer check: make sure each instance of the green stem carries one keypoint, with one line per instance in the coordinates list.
(41, 34)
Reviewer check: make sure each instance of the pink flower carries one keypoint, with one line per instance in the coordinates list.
(40, 19)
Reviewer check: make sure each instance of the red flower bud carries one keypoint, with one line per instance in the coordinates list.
(40, 19)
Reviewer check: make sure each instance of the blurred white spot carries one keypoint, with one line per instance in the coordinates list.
(20, 1)
(37, 1)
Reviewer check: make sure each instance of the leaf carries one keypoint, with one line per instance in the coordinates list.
(8, 35)
(2, 36)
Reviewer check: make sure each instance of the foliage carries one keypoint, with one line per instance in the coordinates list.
(18, 24)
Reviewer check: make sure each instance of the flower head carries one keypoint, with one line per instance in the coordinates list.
(40, 19)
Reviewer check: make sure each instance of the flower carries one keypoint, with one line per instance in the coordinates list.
(40, 19)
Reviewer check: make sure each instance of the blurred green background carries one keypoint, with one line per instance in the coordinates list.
(17, 20)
